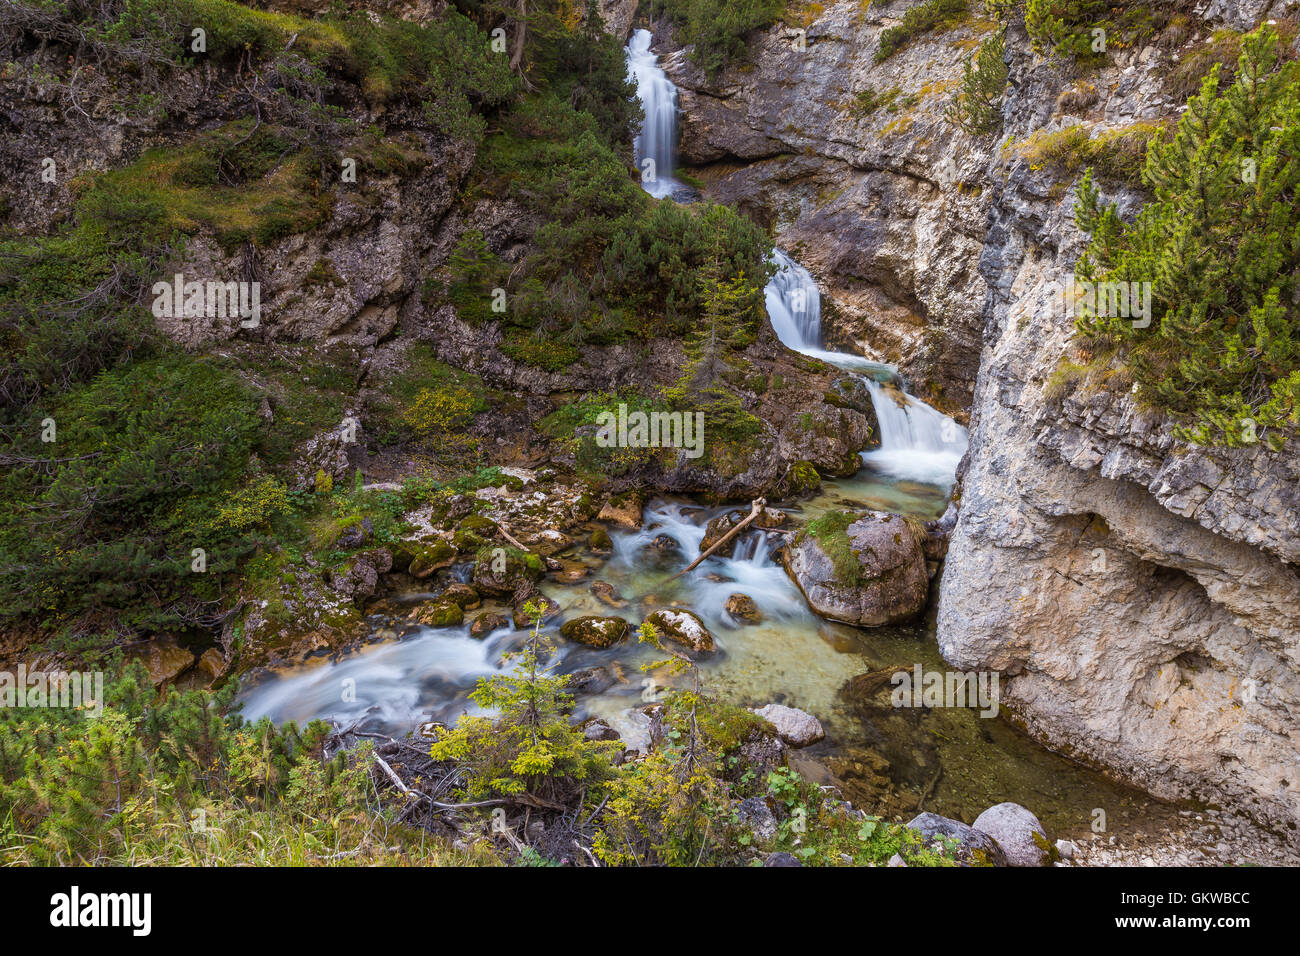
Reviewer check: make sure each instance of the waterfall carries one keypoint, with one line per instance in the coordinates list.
(916, 441)
(656, 142)
(794, 304)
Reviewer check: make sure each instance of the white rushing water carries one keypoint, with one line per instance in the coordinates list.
(656, 143)
(916, 441)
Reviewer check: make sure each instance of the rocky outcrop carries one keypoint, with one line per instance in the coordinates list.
(1138, 594)
(879, 206)
(870, 573)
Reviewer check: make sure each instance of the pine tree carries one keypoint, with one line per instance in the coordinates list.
(976, 108)
(1220, 244)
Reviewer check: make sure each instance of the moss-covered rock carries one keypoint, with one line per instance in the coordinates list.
(866, 569)
(596, 631)
(682, 627)
(440, 614)
(501, 571)
(424, 560)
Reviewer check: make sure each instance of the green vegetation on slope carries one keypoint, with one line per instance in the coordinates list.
(717, 28)
(1220, 246)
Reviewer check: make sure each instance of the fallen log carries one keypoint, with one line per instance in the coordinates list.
(755, 509)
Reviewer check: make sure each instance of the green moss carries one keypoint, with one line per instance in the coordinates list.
(921, 19)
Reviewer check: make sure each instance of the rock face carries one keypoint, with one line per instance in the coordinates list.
(885, 581)
(796, 727)
(1139, 595)
(1018, 832)
(871, 203)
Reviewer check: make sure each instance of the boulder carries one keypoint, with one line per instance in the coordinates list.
(440, 614)
(359, 575)
(622, 510)
(976, 848)
(607, 594)
(717, 529)
(1018, 832)
(867, 572)
(502, 571)
(600, 541)
(163, 658)
(430, 558)
(742, 608)
(486, 623)
(462, 595)
(682, 627)
(596, 631)
(796, 727)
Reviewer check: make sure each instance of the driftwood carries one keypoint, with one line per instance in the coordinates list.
(510, 538)
(755, 509)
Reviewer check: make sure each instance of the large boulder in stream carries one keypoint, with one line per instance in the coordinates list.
(595, 631)
(682, 627)
(866, 569)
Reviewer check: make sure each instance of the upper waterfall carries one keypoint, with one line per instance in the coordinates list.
(656, 142)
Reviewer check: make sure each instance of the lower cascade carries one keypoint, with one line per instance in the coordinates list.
(916, 441)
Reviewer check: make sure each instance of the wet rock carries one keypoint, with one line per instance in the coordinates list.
(607, 594)
(163, 658)
(545, 605)
(598, 729)
(600, 541)
(486, 623)
(622, 510)
(596, 680)
(1018, 832)
(717, 529)
(682, 627)
(754, 814)
(571, 575)
(872, 572)
(743, 609)
(596, 631)
(462, 595)
(796, 727)
(428, 559)
(211, 664)
(976, 847)
(440, 614)
(664, 542)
